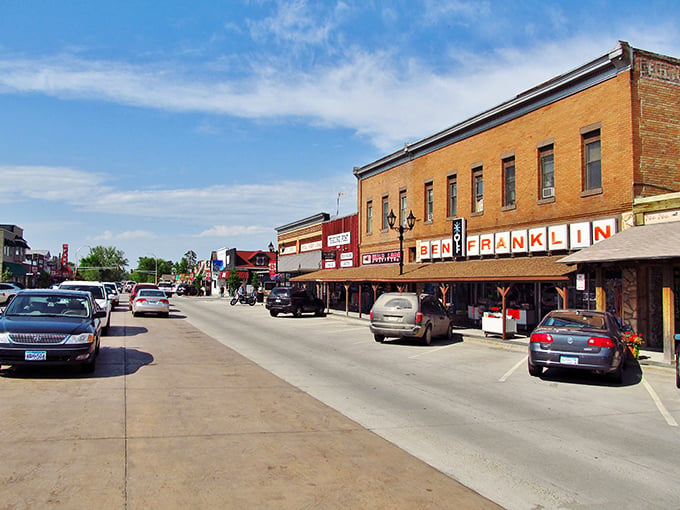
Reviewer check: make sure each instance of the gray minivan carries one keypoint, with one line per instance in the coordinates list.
(405, 314)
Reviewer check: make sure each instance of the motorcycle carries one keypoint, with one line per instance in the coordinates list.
(244, 300)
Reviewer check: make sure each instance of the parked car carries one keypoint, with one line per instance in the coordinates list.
(51, 327)
(186, 289)
(7, 292)
(99, 295)
(293, 300)
(409, 315)
(578, 339)
(112, 291)
(151, 301)
(137, 288)
(168, 287)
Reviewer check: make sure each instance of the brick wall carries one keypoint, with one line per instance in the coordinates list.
(608, 104)
(657, 103)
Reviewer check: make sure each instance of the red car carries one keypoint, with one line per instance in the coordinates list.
(135, 289)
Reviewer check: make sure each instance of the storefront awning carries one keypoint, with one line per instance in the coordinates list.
(14, 268)
(300, 262)
(520, 269)
(647, 242)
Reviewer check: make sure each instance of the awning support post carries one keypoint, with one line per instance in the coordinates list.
(347, 285)
(444, 289)
(503, 291)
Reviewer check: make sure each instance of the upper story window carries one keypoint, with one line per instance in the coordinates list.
(452, 191)
(509, 196)
(546, 163)
(477, 190)
(429, 201)
(369, 217)
(385, 213)
(592, 161)
(402, 207)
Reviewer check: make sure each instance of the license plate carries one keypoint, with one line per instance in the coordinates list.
(568, 360)
(35, 355)
(153, 302)
(392, 318)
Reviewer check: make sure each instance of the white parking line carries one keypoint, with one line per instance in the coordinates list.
(512, 370)
(659, 405)
(430, 351)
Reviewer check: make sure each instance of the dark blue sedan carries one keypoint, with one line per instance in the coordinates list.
(580, 340)
(51, 327)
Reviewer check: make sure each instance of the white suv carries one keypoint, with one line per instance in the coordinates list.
(99, 295)
(7, 292)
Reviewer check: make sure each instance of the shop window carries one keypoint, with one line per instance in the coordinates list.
(509, 197)
(452, 185)
(592, 161)
(477, 190)
(385, 213)
(369, 217)
(546, 162)
(429, 201)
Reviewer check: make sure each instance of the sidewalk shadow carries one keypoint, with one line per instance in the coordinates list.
(125, 331)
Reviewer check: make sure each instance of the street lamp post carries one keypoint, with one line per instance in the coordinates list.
(276, 256)
(410, 222)
(156, 270)
(75, 273)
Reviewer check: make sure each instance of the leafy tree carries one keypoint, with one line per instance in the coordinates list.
(182, 267)
(107, 263)
(234, 282)
(255, 281)
(7, 276)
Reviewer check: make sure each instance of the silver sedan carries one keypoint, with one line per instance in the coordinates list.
(151, 301)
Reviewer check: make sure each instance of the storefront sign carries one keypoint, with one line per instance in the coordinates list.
(458, 236)
(288, 250)
(572, 236)
(316, 245)
(339, 239)
(347, 255)
(383, 257)
(662, 217)
(329, 264)
(346, 263)
(328, 255)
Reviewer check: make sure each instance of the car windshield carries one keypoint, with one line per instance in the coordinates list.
(151, 293)
(279, 292)
(95, 290)
(51, 306)
(575, 320)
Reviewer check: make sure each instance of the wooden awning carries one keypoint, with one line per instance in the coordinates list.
(519, 269)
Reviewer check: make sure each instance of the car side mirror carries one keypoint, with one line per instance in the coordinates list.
(100, 314)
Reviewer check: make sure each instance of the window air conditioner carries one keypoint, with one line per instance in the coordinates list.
(548, 193)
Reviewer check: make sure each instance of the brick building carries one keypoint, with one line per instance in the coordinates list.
(501, 197)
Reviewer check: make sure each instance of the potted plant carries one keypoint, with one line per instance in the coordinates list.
(633, 341)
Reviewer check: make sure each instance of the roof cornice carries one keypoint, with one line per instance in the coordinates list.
(305, 222)
(592, 73)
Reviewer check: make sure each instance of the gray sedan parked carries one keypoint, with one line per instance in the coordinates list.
(405, 314)
(578, 339)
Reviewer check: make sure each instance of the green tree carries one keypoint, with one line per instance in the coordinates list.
(103, 263)
(191, 258)
(255, 281)
(7, 276)
(233, 282)
(182, 267)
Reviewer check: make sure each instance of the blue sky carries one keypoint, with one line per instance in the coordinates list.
(160, 127)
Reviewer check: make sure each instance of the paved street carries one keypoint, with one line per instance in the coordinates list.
(470, 409)
(173, 418)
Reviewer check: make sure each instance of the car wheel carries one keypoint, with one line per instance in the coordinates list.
(273, 313)
(136, 314)
(535, 371)
(165, 314)
(379, 338)
(319, 313)
(297, 312)
(427, 337)
(617, 376)
(449, 333)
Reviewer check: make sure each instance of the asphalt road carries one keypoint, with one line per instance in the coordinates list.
(470, 409)
(172, 418)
